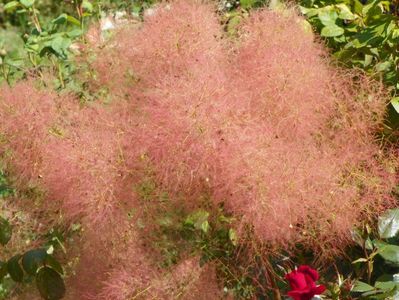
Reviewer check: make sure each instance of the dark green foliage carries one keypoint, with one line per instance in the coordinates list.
(41, 265)
(5, 231)
(376, 270)
(5, 189)
(50, 284)
(14, 268)
(33, 263)
(33, 260)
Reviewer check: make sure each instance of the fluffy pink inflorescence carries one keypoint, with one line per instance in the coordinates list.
(264, 127)
(302, 138)
(263, 124)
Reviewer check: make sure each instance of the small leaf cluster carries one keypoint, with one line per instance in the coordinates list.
(44, 44)
(207, 233)
(35, 263)
(362, 34)
(380, 263)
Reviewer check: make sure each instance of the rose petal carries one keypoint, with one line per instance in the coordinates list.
(319, 289)
(301, 295)
(309, 271)
(297, 280)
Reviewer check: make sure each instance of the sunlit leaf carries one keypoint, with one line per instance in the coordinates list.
(361, 287)
(395, 103)
(345, 13)
(328, 16)
(388, 223)
(27, 3)
(390, 253)
(331, 31)
(11, 6)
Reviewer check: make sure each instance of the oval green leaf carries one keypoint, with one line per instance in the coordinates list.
(345, 13)
(27, 3)
(331, 31)
(50, 284)
(390, 253)
(33, 260)
(61, 19)
(87, 6)
(73, 20)
(328, 15)
(53, 263)
(11, 6)
(361, 287)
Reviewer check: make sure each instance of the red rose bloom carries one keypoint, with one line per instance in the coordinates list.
(303, 283)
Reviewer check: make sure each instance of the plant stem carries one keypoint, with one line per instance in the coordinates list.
(36, 19)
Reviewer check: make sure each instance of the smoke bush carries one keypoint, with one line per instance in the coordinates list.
(264, 124)
(264, 127)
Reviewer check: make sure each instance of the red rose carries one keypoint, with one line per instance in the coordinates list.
(303, 283)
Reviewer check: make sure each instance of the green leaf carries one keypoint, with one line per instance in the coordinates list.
(54, 264)
(199, 220)
(5, 231)
(370, 36)
(247, 3)
(205, 226)
(3, 270)
(33, 260)
(388, 223)
(395, 103)
(14, 269)
(366, 8)
(50, 284)
(27, 3)
(73, 20)
(385, 284)
(87, 6)
(60, 45)
(345, 13)
(309, 12)
(368, 59)
(74, 33)
(390, 253)
(11, 6)
(331, 31)
(395, 33)
(233, 236)
(328, 16)
(361, 287)
(383, 66)
(377, 295)
(61, 19)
